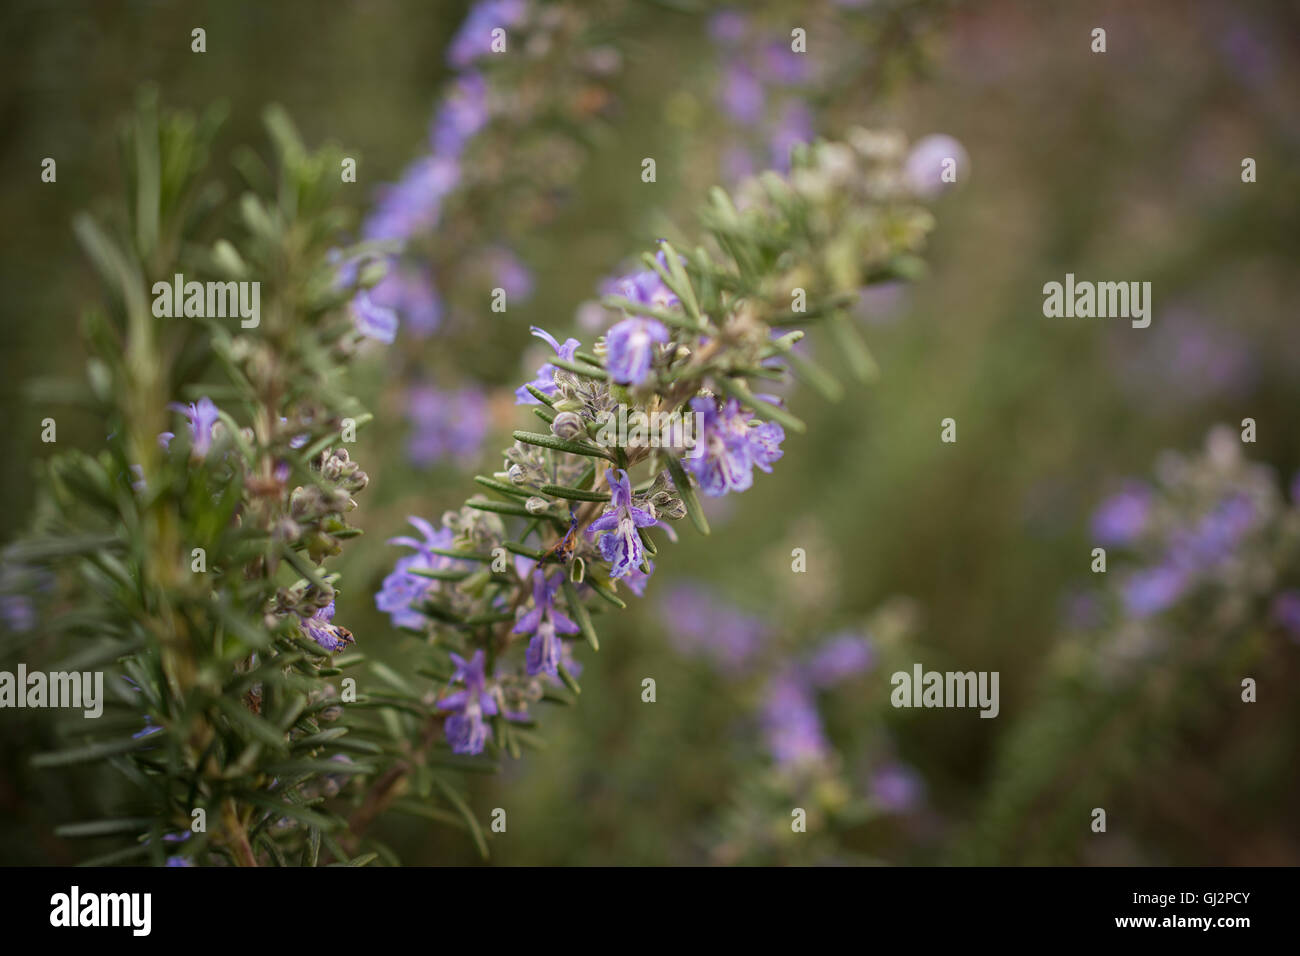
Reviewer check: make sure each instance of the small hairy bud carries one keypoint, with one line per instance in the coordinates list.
(568, 425)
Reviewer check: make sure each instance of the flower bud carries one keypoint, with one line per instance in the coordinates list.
(568, 425)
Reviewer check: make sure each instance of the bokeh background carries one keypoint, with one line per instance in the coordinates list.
(1123, 165)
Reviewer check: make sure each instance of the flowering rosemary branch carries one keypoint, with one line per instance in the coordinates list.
(700, 334)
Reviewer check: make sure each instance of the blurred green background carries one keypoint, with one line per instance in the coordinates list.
(1123, 165)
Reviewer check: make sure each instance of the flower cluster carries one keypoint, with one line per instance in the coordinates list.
(1205, 524)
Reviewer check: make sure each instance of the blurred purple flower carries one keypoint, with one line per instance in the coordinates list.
(897, 787)
(1188, 358)
(18, 612)
(1121, 518)
(402, 592)
(700, 623)
(1152, 590)
(1215, 537)
(741, 95)
(923, 170)
(202, 417)
(791, 725)
(636, 579)
(1286, 611)
(728, 27)
(784, 65)
(445, 424)
(414, 203)
(463, 114)
(473, 40)
(511, 274)
(372, 320)
(839, 658)
(410, 293)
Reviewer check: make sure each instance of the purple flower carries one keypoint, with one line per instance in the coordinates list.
(18, 612)
(897, 787)
(1152, 590)
(412, 295)
(1121, 518)
(742, 95)
(700, 623)
(620, 544)
(646, 287)
(414, 203)
(473, 40)
(636, 579)
(1216, 535)
(784, 65)
(545, 622)
(510, 273)
(791, 725)
(282, 469)
(346, 270)
(923, 170)
(463, 114)
(728, 447)
(465, 728)
(445, 424)
(1286, 611)
(728, 27)
(329, 636)
(841, 657)
(630, 347)
(372, 320)
(544, 381)
(202, 417)
(403, 592)
(1189, 358)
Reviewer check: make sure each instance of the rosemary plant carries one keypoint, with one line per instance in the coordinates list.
(190, 552)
